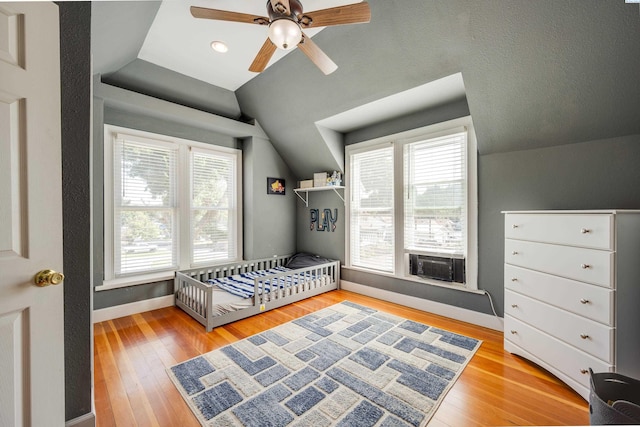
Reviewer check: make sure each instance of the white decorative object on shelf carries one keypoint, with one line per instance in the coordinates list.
(306, 191)
(572, 288)
(335, 179)
(320, 179)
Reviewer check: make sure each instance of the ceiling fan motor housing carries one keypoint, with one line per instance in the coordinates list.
(280, 12)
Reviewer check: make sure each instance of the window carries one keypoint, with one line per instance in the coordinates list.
(435, 208)
(169, 204)
(372, 218)
(144, 206)
(413, 193)
(213, 190)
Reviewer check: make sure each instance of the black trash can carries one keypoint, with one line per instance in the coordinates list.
(613, 399)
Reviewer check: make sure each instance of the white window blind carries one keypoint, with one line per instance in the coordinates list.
(144, 207)
(371, 210)
(435, 193)
(213, 207)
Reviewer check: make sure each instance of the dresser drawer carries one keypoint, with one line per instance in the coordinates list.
(557, 354)
(586, 265)
(587, 335)
(593, 302)
(584, 230)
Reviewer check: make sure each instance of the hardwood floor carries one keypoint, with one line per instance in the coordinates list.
(133, 389)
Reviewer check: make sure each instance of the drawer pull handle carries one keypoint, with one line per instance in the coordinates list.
(514, 226)
(514, 253)
(514, 305)
(514, 279)
(585, 266)
(513, 332)
(584, 301)
(585, 230)
(584, 336)
(584, 371)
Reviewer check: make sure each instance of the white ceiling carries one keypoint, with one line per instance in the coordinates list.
(180, 42)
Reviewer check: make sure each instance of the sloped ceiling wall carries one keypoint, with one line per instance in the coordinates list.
(118, 31)
(537, 73)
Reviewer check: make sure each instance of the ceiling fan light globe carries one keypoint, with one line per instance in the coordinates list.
(285, 34)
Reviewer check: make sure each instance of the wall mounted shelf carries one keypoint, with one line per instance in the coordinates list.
(306, 191)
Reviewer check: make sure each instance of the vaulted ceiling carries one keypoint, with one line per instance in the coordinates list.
(532, 73)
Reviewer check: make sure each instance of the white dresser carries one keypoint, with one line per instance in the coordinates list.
(572, 292)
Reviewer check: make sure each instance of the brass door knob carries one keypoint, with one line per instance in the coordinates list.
(48, 277)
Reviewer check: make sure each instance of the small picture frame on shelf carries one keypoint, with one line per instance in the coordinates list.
(276, 186)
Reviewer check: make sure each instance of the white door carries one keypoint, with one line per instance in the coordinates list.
(31, 317)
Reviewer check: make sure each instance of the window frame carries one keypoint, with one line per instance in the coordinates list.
(401, 255)
(184, 244)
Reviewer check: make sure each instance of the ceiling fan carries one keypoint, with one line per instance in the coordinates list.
(286, 21)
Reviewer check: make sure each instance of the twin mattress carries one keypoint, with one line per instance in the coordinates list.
(236, 292)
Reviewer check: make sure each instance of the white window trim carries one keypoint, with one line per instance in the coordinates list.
(401, 270)
(183, 196)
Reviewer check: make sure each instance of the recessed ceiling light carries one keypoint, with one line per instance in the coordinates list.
(219, 46)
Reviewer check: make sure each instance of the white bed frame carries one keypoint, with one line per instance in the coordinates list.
(195, 296)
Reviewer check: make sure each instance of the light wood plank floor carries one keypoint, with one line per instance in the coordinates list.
(133, 389)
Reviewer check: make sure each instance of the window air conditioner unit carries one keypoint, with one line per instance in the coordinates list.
(438, 268)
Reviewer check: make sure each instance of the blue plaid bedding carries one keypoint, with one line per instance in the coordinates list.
(243, 284)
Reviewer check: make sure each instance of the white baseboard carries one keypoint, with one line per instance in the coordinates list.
(86, 420)
(463, 314)
(132, 308)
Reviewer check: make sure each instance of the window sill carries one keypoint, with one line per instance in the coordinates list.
(457, 287)
(143, 279)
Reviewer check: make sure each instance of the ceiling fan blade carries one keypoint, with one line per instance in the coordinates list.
(349, 14)
(282, 9)
(316, 55)
(263, 57)
(225, 15)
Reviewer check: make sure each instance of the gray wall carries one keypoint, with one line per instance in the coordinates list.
(268, 218)
(75, 64)
(144, 77)
(118, 32)
(600, 174)
(119, 296)
(329, 244)
(161, 126)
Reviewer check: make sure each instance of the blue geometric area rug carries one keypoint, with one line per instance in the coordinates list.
(345, 365)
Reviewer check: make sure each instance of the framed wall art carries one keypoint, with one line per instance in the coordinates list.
(275, 186)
